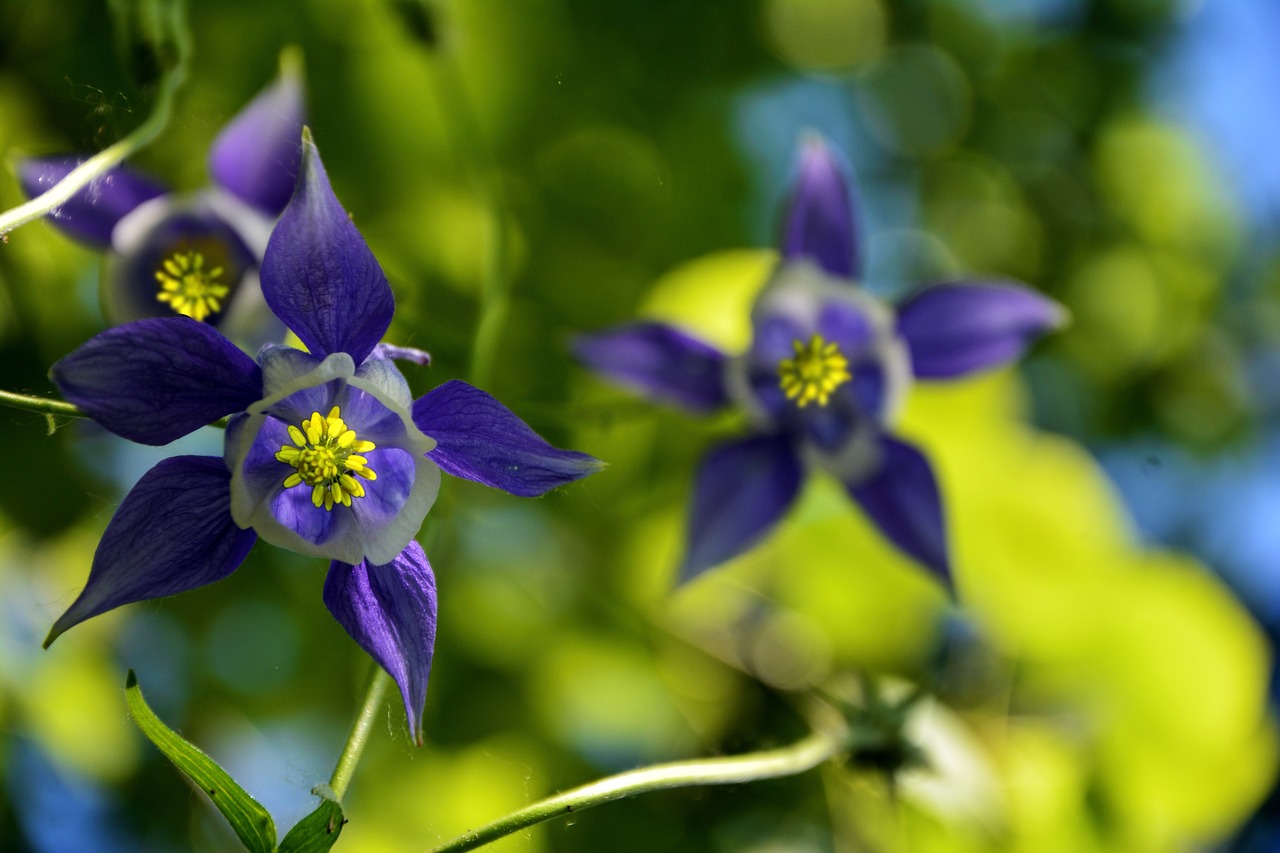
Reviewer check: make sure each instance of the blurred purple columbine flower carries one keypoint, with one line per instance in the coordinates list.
(326, 451)
(197, 254)
(822, 380)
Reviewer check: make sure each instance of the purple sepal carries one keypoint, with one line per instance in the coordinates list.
(391, 352)
(173, 532)
(93, 212)
(478, 438)
(390, 611)
(741, 490)
(954, 329)
(659, 361)
(318, 274)
(821, 223)
(153, 381)
(256, 155)
(902, 498)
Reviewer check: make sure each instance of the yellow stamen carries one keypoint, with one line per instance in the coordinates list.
(817, 369)
(324, 459)
(190, 289)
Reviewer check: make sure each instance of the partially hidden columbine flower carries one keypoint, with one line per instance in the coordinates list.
(822, 380)
(196, 254)
(326, 452)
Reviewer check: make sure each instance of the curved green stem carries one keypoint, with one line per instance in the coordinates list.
(46, 406)
(374, 693)
(793, 760)
(42, 405)
(97, 165)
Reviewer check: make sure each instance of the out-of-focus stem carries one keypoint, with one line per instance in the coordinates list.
(171, 81)
(792, 760)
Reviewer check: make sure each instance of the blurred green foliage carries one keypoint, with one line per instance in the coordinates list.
(583, 161)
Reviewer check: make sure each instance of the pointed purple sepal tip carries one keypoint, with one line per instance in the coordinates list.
(959, 328)
(256, 156)
(318, 274)
(821, 222)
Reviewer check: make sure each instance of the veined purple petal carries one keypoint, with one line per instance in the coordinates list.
(390, 611)
(741, 490)
(821, 223)
(659, 361)
(173, 532)
(478, 438)
(902, 498)
(256, 156)
(318, 274)
(91, 213)
(153, 381)
(954, 329)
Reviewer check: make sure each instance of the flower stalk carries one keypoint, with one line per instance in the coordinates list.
(799, 757)
(40, 405)
(375, 692)
(171, 80)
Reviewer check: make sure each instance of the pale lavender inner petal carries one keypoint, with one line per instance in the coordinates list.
(302, 404)
(385, 496)
(830, 426)
(774, 339)
(869, 388)
(294, 509)
(846, 326)
(377, 423)
(792, 314)
(263, 473)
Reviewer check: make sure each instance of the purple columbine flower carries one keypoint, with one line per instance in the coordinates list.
(326, 451)
(822, 380)
(196, 254)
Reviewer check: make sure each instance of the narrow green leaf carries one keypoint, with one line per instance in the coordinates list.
(316, 832)
(251, 822)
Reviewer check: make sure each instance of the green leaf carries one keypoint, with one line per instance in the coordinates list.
(251, 822)
(316, 832)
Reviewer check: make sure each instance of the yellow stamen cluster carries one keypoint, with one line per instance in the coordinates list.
(188, 287)
(326, 456)
(818, 369)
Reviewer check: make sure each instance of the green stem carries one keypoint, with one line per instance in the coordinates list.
(46, 406)
(792, 760)
(106, 159)
(43, 405)
(374, 693)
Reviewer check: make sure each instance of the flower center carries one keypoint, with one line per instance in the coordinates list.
(325, 454)
(817, 369)
(188, 287)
